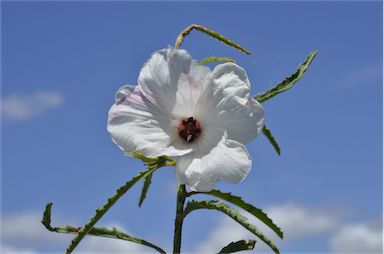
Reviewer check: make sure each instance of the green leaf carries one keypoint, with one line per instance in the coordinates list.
(236, 200)
(104, 208)
(288, 82)
(211, 33)
(234, 214)
(271, 139)
(95, 231)
(47, 216)
(216, 59)
(147, 182)
(238, 246)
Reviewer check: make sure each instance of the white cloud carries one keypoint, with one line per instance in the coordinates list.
(226, 232)
(363, 76)
(5, 249)
(24, 230)
(101, 245)
(24, 234)
(357, 238)
(105, 246)
(22, 107)
(296, 221)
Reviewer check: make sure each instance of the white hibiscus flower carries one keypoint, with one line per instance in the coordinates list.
(183, 109)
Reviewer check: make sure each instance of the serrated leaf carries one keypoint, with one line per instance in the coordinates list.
(215, 59)
(104, 208)
(238, 246)
(46, 220)
(271, 139)
(234, 214)
(238, 201)
(211, 33)
(95, 231)
(288, 82)
(144, 190)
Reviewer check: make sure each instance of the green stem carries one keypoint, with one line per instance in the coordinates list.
(213, 34)
(181, 195)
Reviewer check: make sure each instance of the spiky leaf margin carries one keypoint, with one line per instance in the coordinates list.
(95, 231)
(288, 82)
(238, 246)
(234, 214)
(238, 201)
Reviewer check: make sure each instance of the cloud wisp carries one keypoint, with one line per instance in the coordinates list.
(20, 107)
(357, 238)
(298, 222)
(364, 76)
(23, 233)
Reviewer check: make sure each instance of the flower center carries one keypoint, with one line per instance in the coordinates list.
(189, 129)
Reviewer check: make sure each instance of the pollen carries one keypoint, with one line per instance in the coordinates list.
(189, 129)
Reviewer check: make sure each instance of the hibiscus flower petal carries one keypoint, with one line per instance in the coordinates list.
(173, 81)
(136, 124)
(189, 89)
(227, 103)
(228, 160)
(159, 75)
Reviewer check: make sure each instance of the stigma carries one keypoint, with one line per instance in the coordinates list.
(189, 129)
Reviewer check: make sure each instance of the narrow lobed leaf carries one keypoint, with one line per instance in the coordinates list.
(271, 139)
(144, 190)
(104, 208)
(288, 82)
(234, 214)
(238, 201)
(46, 220)
(211, 33)
(216, 59)
(95, 231)
(238, 246)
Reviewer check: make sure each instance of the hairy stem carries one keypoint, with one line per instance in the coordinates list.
(209, 32)
(181, 195)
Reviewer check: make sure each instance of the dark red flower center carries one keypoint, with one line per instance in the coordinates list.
(189, 129)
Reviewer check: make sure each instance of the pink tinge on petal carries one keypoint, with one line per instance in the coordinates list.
(191, 82)
(135, 96)
(127, 96)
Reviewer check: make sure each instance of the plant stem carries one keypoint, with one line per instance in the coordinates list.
(181, 195)
(213, 34)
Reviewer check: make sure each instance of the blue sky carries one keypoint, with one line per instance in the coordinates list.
(62, 62)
